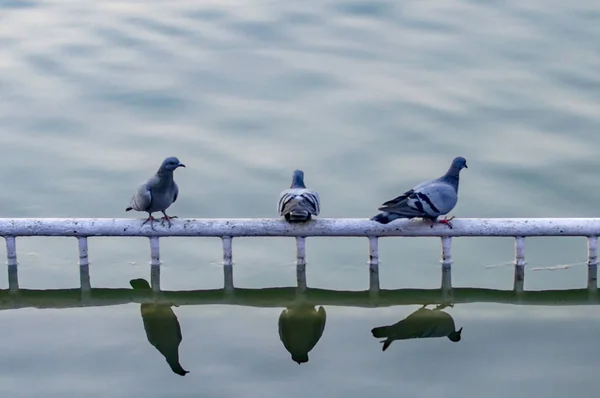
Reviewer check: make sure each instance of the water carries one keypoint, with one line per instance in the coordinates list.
(368, 98)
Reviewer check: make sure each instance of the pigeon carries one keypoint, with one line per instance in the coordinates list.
(158, 193)
(428, 200)
(298, 203)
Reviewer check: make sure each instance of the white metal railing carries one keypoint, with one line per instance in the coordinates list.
(227, 229)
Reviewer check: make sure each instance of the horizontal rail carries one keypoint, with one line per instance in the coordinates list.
(319, 227)
(286, 296)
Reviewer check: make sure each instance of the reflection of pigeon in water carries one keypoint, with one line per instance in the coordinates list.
(162, 328)
(422, 323)
(300, 328)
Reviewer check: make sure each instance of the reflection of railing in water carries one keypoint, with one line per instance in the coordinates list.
(301, 324)
(227, 229)
(287, 296)
(279, 297)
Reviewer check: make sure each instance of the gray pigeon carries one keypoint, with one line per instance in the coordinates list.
(298, 203)
(428, 200)
(158, 193)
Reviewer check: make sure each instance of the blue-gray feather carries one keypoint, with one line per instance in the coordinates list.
(429, 199)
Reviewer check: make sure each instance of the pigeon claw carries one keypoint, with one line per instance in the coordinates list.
(167, 219)
(446, 221)
(151, 219)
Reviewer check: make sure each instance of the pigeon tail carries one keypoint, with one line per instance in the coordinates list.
(386, 344)
(298, 216)
(139, 284)
(385, 217)
(380, 332)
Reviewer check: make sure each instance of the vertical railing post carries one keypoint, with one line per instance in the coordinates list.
(84, 265)
(446, 252)
(155, 264)
(374, 266)
(11, 262)
(446, 262)
(592, 263)
(227, 264)
(84, 270)
(519, 280)
(301, 264)
(447, 292)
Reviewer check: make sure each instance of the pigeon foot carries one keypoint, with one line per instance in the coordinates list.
(167, 219)
(446, 221)
(151, 219)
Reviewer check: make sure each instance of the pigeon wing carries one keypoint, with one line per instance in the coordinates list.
(399, 199)
(438, 198)
(175, 191)
(430, 199)
(291, 199)
(142, 198)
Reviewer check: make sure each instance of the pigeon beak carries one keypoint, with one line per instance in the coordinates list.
(181, 165)
(466, 167)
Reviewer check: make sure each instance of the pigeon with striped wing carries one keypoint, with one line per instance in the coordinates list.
(428, 200)
(298, 203)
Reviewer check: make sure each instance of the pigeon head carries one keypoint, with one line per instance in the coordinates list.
(300, 358)
(457, 165)
(170, 164)
(455, 336)
(298, 179)
(176, 367)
